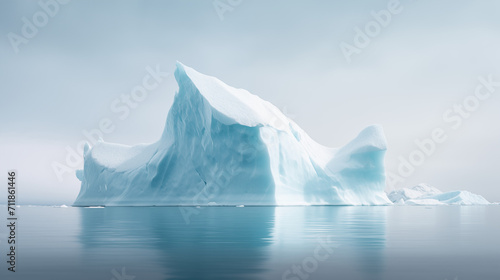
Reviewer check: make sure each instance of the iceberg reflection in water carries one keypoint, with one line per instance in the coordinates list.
(238, 243)
(390, 242)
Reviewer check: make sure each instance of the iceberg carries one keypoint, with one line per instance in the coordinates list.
(423, 194)
(225, 146)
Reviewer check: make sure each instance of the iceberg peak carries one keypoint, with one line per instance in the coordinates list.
(230, 105)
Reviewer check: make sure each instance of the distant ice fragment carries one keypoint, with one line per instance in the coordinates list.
(423, 194)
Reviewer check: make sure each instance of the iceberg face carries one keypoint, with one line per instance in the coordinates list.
(226, 146)
(423, 194)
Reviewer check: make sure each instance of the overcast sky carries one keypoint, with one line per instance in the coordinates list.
(64, 68)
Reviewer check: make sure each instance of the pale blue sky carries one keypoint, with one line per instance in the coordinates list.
(427, 59)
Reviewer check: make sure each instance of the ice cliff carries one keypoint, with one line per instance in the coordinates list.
(225, 146)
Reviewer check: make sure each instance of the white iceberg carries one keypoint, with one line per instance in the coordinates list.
(423, 194)
(225, 146)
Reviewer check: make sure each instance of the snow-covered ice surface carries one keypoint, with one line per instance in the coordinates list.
(225, 146)
(423, 194)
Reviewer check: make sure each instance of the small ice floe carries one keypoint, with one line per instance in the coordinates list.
(426, 195)
(95, 207)
(240, 205)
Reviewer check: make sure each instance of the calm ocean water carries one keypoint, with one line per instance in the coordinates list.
(147, 243)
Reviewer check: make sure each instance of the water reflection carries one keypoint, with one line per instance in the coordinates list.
(234, 243)
(358, 232)
(219, 242)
